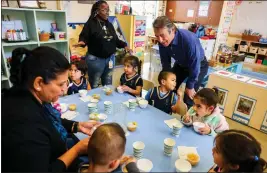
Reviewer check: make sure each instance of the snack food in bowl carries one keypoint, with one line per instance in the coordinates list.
(189, 123)
(96, 96)
(143, 103)
(82, 93)
(72, 107)
(131, 126)
(198, 125)
(98, 117)
(119, 89)
(108, 91)
(94, 101)
(193, 158)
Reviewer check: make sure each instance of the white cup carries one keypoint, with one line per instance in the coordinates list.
(138, 148)
(168, 146)
(176, 129)
(132, 104)
(108, 107)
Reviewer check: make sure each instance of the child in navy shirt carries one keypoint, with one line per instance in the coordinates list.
(131, 81)
(163, 97)
(77, 80)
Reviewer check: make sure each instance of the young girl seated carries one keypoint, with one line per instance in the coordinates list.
(105, 150)
(237, 151)
(163, 97)
(205, 110)
(131, 81)
(77, 80)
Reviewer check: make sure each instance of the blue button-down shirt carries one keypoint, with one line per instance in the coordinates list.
(187, 52)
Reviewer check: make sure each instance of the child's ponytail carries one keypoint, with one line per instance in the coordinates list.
(260, 165)
(139, 67)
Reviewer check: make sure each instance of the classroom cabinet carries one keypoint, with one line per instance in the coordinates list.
(201, 12)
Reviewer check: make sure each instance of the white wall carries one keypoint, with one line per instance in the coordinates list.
(79, 13)
(250, 15)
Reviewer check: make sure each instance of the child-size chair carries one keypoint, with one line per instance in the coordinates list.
(146, 86)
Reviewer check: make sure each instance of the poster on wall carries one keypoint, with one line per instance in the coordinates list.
(139, 45)
(224, 73)
(264, 124)
(258, 82)
(240, 77)
(222, 94)
(140, 26)
(244, 109)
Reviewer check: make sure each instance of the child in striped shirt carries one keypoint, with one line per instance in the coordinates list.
(205, 110)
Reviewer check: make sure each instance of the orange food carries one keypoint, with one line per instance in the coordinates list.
(193, 158)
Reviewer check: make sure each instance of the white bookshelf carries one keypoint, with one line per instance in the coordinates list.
(32, 20)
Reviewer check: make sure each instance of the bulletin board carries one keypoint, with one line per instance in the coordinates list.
(243, 100)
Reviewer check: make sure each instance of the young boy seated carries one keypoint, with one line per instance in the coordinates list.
(105, 150)
(163, 97)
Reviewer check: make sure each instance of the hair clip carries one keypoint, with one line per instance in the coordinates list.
(23, 57)
(256, 158)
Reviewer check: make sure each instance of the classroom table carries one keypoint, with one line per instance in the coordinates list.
(151, 130)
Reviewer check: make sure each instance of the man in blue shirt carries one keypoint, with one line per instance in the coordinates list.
(185, 48)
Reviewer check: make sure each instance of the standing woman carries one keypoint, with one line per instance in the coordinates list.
(101, 39)
(33, 134)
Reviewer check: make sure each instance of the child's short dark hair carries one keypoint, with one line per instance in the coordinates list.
(106, 144)
(134, 61)
(164, 75)
(240, 148)
(208, 96)
(80, 65)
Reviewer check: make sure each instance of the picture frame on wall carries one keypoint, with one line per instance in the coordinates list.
(4, 3)
(264, 124)
(244, 109)
(222, 94)
(28, 4)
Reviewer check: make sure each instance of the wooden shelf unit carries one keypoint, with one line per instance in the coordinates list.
(32, 21)
(256, 49)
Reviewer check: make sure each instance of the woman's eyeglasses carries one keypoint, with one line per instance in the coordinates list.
(104, 10)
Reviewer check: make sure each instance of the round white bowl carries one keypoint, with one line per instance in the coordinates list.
(82, 93)
(64, 107)
(143, 103)
(119, 89)
(182, 165)
(144, 165)
(198, 125)
(94, 101)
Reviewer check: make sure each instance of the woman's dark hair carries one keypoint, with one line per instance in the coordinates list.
(95, 7)
(240, 148)
(164, 75)
(43, 61)
(208, 96)
(80, 65)
(162, 22)
(134, 61)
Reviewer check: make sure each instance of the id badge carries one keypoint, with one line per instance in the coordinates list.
(110, 64)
